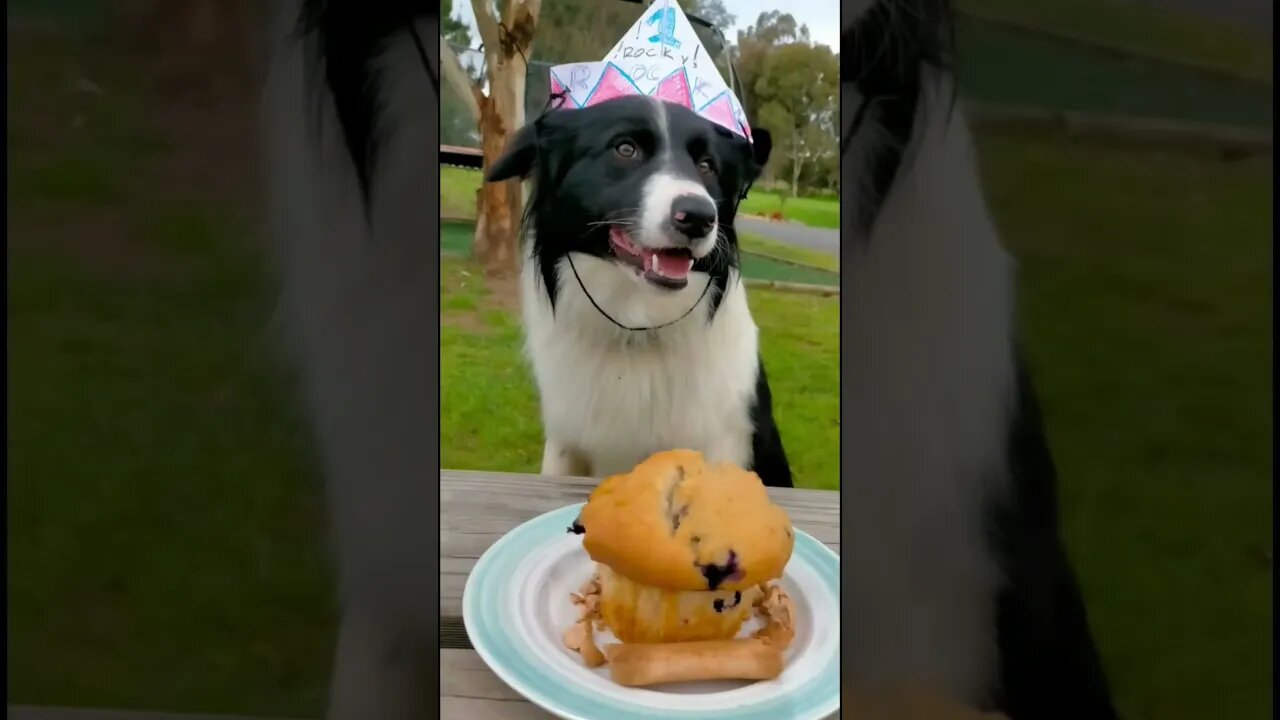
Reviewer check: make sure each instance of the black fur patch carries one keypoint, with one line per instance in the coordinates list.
(1049, 665)
(349, 37)
(883, 55)
(768, 458)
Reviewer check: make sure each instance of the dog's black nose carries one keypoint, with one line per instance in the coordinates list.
(692, 216)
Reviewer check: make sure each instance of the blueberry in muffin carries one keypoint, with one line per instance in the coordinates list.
(683, 548)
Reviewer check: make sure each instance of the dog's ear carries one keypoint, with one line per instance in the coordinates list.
(761, 147)
(519, 157)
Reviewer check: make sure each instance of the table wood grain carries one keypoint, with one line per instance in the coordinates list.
(477, 508)
(470, 690)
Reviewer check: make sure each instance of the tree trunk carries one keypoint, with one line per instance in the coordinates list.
(499, 205)
(797, 163)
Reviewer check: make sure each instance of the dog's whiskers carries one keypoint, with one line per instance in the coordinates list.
(625, 223)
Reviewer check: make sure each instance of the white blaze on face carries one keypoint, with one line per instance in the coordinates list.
(659, 194)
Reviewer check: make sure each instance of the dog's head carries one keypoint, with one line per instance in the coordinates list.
(648, 186)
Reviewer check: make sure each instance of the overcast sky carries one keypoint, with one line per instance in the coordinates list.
(822, 16)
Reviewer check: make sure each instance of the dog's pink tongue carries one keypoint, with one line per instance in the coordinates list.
(671, 265)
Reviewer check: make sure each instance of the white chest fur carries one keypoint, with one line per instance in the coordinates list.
(611, 397)
(927, 385)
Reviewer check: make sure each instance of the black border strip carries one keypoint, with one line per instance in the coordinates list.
(431, 29)
(850, 10)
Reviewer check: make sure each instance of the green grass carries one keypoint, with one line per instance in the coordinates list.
(1009, 67)
(78, 15)
(1143, 30)
(165, 547)
(1146, 304)
(458, 192)
(755, 267)
(814, 212)
(483, 372)
(164, 535)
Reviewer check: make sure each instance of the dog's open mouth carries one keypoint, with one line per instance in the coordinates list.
(667, 268)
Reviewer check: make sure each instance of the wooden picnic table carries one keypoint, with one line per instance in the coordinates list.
(477, 508)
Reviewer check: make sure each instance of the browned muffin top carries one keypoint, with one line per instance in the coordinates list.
(677, 523)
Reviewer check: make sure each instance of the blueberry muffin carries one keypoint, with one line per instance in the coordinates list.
(683, 549)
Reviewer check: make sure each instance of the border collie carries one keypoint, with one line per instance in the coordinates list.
(950, 521)
(349, 106)
(636, 319)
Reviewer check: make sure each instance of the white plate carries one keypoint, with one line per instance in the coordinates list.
(516, 608)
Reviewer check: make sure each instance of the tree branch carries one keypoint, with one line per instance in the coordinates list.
(487, 24)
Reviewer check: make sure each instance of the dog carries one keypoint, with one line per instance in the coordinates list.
(349, 106)
(636, 319)
(950, 525)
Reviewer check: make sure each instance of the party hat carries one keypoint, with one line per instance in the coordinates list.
(659, 56)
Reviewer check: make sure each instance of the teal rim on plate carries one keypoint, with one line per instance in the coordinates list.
(488, 594)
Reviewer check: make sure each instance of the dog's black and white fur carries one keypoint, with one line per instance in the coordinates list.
(949, 514)
(635, 316)
(349, 106)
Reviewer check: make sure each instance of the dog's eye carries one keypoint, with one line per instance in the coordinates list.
(705, 167)
(626, 149)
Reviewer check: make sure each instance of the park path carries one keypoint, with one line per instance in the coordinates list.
(825, 240)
